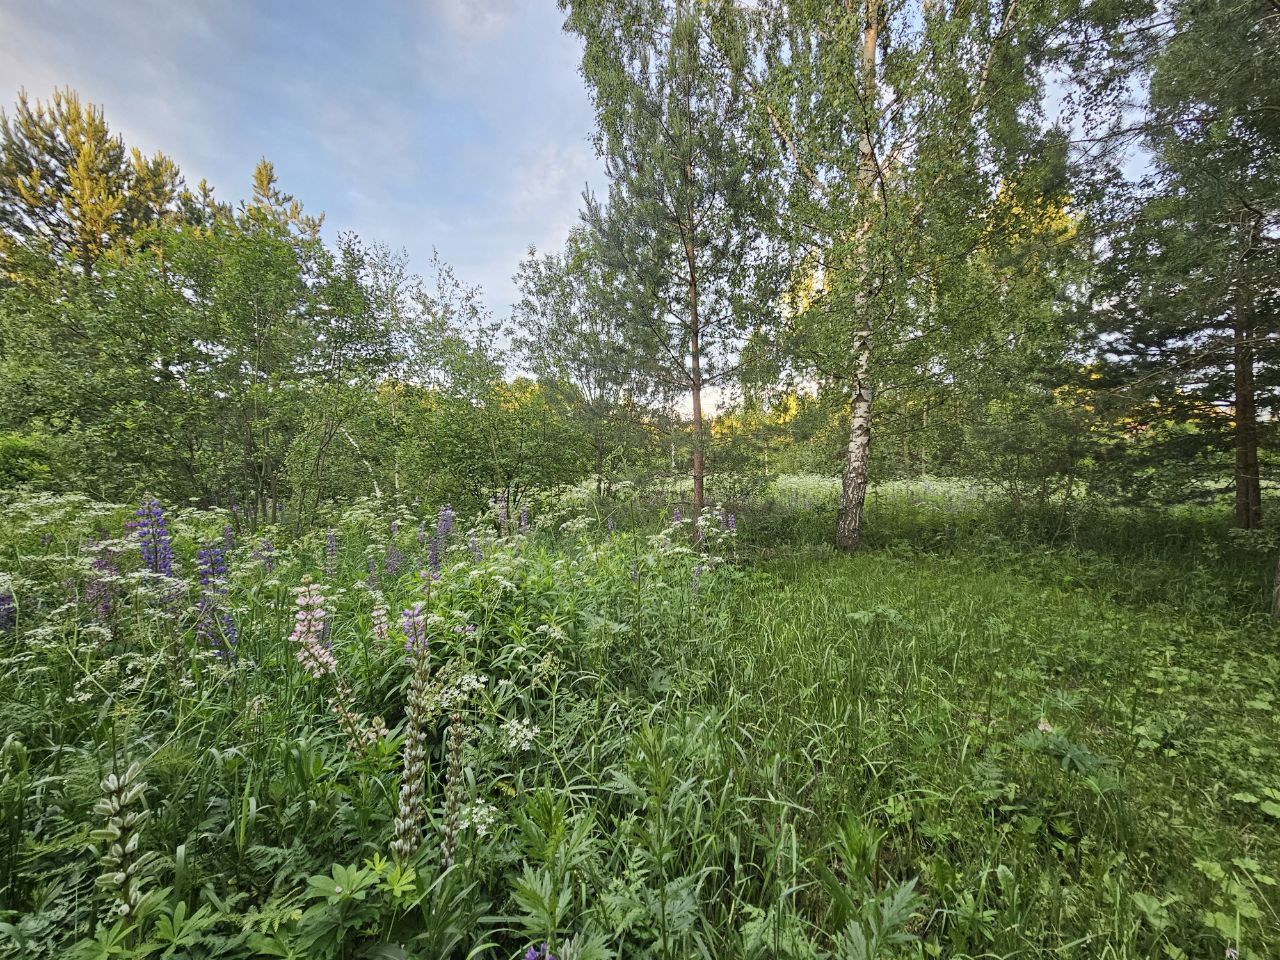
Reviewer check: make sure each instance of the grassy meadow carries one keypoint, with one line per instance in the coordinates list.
(620, 734)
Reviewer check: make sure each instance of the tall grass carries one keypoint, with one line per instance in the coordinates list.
(980, 738)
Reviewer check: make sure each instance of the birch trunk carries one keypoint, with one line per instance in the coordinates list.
(857, 463)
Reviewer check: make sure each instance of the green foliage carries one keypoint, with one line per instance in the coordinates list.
(961, 743)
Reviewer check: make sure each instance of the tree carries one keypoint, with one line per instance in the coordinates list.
(897, 128)
(1187, 303)
(578, 346)
(69, 188)
(686, 193)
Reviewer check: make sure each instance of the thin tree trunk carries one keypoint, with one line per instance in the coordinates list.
(1275, 593)
(853, 486)
(857, 464)
(1248, 482)
(695, 369)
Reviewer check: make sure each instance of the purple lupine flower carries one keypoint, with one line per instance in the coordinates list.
(8, 612)
(467, 629)
(524, 519)
(212, 566)
(675, 514)
(153, 534)
(733, 526)
(394, 559)
(539, 952)
(444, 523)
(265, 554)
(433, 558)
(474, 543)
(330, 553)
(415, 629)
(394, 527)
(228, 538)
(373, 572)
(99, 591)
(502, 510)
(214, 625)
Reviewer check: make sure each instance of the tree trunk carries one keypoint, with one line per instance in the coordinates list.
(1275, 593)
(599, 466)
(857, 463)
(695, 369)
(1248, 481)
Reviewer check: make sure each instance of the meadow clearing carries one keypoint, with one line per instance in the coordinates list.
(597, 729)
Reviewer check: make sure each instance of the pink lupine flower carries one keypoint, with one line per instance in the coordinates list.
(309, 630)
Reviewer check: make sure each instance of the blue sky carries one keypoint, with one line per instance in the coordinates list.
(458, 124)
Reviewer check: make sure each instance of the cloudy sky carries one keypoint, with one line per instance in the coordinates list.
(458, 124)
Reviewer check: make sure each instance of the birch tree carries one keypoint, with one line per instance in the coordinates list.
(685, 190)
(898, 127)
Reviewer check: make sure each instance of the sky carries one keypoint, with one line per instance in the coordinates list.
(461, 125)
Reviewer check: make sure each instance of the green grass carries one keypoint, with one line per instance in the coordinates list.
(982, 737)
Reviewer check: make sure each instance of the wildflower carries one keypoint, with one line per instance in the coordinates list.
(675, 515)
(380, 627)
(519, 735)
(541, 952)
(454, 785)
(309, 631)
(444, 524)
(214, 626)
(415, 629)
(433, 558)
(123, 867)
(478, 816)
(1044, 726)
(394, 559)
(330, 553)
(99, 591)
(228, 538)
(153, 534)
(524, 520)
(8, 611)
(733, 526)
(410, 813)
(265, 554)
(373, 572)
(502, 510)
(474, 543)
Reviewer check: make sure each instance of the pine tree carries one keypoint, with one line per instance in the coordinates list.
(69, 188)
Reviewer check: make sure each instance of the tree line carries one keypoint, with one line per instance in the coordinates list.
(1027, 242)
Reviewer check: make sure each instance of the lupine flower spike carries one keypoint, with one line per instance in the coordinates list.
(410, 813)
(153, 534)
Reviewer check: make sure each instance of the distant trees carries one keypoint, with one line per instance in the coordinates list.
(574, 335)
(155, 338)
